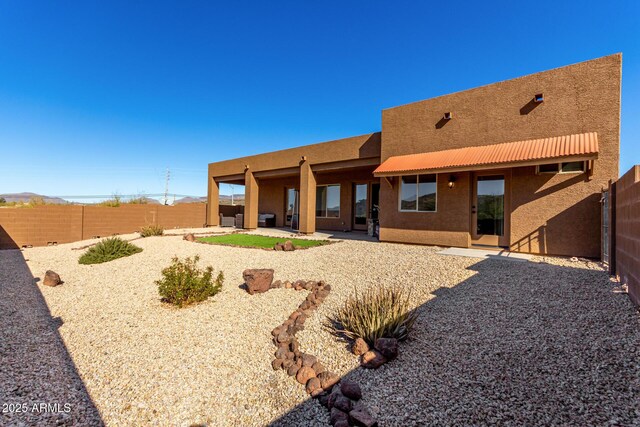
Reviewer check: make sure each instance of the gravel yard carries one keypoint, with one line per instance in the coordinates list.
(497, 341)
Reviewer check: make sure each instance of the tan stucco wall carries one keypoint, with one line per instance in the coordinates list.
(584, 97)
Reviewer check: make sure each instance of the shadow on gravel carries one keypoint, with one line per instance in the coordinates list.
(39, 383)
(518, 343)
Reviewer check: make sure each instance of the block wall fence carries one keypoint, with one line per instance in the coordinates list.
(625, 231)
(43, 225)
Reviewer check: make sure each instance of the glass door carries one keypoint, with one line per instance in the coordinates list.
(360, 206)
(292, 208)
(488, 210)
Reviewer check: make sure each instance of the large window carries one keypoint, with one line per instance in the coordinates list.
(418, 193)
(328, 201)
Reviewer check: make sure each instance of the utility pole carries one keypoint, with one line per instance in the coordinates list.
(166, 188)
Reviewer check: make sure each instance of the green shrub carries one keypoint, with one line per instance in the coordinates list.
(111, 203)
(151, 230)
(183, 283)
(108, 250)
(377, 313)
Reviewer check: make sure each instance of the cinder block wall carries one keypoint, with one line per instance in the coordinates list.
(42, 225)
(627, 231)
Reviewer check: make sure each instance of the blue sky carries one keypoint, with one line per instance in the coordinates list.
(102, 97)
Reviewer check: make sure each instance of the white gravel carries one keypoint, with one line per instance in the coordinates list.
(535, 343)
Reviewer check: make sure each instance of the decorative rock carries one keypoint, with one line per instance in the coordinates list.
(258, 280)
(372, 359)
(338, 416)
(276, 284)
(361, 417)
(288, 246)
(287, 285)
(359, 347)
(293, 370)
(318, 368)
(276, 364)
(304, 374)
(309, 360)
(281, 353)
(278, 247)
(294, 346)
(287, 363)
(343, 403)
(276, 331)
(301, 319)
(313, 385)
(342, 423)
(328, 379)
(323, 398)
(51, 278)
(283, 337)
(189, 237)
(351, 389)
(294, 315)
(388, 347)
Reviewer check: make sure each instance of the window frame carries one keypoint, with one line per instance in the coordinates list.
(416, 210)
(326, 208)
(559, 168)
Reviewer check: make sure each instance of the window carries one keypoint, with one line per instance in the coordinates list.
(567, 167)
(552, 168)
(572, 167)
(418, 193)
(328, 201)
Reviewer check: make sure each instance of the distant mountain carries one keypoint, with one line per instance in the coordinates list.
(225, 199)
(191, 200)
(26, 196)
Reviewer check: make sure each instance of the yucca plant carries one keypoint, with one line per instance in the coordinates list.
(183, 283)
(151, 230)
(108, 250)
(381, 312)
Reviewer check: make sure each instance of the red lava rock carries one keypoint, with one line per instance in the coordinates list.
(288, 285)
(362, 417)
(388, 347)
(258, 280)
(318, 368)
(293, 370)
(276, 364)
(276, 284)
(351, 389)
(278, 247)
(343, 403)
(287, 363)
(281, 353)
(288, 246)
(304, 374)
(372, 359)
(313, 385)
(338, 416)
(328, 379)
(189, 237)
(308, 360)
(359, 347)
(51, 278)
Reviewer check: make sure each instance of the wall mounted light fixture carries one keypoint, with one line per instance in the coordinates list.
(448, 115)
(452, 181)
(538, 97)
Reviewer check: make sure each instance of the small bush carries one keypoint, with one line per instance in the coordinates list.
(111, 203)
(377, 313)
(108, 250)
(183, 283)
(151, 230)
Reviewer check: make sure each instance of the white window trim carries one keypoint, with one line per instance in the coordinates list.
(339, 199)
(584, 169)
(416, 209)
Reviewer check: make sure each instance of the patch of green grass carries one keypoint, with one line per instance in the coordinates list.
(257, 241)
(108, 250)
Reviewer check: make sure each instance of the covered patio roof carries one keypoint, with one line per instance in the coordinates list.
(576, 147)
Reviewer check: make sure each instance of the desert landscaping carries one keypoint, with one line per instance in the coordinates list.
(539, 342)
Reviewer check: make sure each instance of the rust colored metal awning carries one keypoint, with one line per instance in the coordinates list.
(577, 147)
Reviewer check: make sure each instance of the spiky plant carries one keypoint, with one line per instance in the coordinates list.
(108, 250)
(151, 230)
(378, 312)
(183, 283)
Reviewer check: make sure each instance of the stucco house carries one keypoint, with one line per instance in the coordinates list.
(518, 164)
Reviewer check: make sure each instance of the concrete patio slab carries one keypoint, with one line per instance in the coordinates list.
(486, 253)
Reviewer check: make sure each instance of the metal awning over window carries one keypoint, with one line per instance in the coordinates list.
(569, 148)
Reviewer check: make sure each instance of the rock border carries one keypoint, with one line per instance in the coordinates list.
(340, 396)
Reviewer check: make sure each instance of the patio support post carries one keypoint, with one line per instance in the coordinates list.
(250, 200)
(213, 202)
(307, 199)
